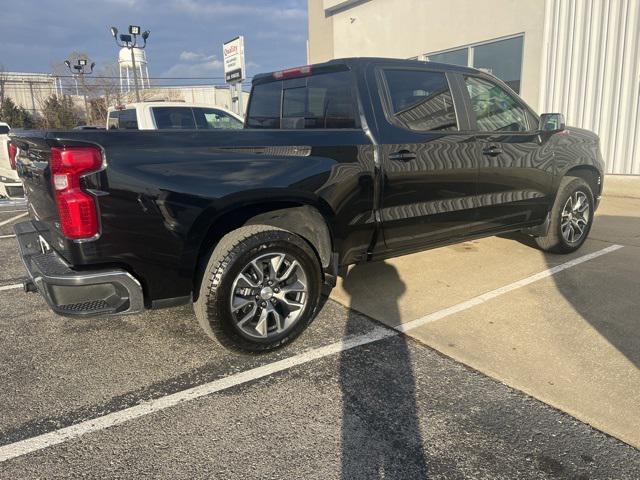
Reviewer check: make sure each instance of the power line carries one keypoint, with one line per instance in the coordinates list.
(115, 85)
(152, 78)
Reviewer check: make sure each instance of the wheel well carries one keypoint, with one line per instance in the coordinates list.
(303, 220)
(590, 175)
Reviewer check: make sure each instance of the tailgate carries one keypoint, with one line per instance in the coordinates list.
(32, 164)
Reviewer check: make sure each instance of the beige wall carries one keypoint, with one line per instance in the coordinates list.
(320, 48)
(408, 28)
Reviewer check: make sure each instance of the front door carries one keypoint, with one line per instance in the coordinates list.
(427, 154)
(515, 166)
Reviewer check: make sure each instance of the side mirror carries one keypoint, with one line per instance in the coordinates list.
(552, 122)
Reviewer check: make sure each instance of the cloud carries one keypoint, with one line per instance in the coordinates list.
(186, 56)
(195, 64)
(219, 9)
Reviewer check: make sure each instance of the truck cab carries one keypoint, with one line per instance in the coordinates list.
(160, 115)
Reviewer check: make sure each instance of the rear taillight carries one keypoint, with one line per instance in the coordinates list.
(76, 208)
(13, 152)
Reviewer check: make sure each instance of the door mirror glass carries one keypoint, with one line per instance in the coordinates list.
(552, 122)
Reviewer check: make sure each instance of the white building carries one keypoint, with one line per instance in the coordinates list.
(578, 57)
(29, 90)
(214, 95)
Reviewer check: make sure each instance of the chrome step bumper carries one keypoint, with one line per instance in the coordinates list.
(76, 292)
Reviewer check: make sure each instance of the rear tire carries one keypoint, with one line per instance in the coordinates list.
(260, 289)
(571, 217)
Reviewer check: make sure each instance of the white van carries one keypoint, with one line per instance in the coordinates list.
(10, 184)
(170, 115)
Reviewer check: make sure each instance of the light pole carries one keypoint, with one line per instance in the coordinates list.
(131, 41)
(80, 69)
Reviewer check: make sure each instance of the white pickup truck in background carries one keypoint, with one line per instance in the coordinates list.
(10, 184)
(159, 115)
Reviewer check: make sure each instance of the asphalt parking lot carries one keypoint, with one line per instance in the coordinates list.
(481, 360)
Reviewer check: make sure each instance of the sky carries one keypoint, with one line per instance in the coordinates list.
(186, 35)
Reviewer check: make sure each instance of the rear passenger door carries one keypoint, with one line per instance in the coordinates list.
(428, 159)
(515, 167)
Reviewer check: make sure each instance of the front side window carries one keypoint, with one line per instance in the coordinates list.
(421, 100)
(494, 108)
(173, 118)
(212, 118)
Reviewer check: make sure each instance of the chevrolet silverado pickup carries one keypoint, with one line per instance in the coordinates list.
(349, 161)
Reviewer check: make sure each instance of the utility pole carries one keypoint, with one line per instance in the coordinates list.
(130, 41)
(135, 75)
(79, 69)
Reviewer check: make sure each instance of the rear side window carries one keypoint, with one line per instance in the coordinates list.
(123, 120)
(421, 100)
(167, 118)
(212, 118)
(324, 100)
(495, 109)
(4, 129)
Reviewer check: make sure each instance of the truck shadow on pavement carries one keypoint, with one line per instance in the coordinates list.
(381, 435)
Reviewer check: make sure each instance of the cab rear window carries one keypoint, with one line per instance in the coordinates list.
(4, 129)
(324, 100)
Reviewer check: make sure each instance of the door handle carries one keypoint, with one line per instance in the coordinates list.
(404, 155)
(492, 150)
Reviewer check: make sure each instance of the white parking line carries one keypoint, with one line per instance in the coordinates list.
(485, 297)
(6, 236)
(9, 220)
(11, 287)
(23, 447)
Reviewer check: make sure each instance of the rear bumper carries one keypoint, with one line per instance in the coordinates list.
(72, 292)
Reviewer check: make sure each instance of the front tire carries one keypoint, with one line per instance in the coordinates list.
(571, 217)
(260, 289)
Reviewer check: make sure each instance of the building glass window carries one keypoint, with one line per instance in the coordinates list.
(454, 57)
(501, 58)
(421, 100)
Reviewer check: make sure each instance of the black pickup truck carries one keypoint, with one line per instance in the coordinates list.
(349, 161)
